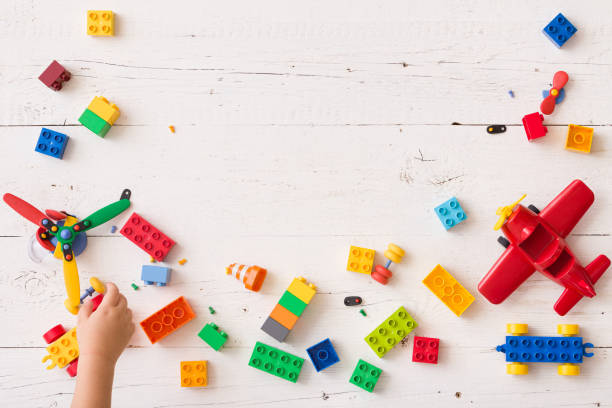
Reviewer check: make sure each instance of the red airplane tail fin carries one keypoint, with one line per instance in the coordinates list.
(570, 297)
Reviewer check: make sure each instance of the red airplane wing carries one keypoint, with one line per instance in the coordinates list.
(507, 274)
(564, 212)
(570, 297)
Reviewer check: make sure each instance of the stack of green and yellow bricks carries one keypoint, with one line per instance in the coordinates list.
(99, 116)
(289, 308)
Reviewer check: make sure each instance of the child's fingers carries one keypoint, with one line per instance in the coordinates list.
(122, 302)
(111, 297)
(84, 312)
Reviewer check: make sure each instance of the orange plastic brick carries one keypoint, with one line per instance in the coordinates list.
(284, 316)
(167, 320)
(448, 290)
(194, 374)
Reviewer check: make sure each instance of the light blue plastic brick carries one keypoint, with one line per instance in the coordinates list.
(559, 30)
(450, 213)
(51, 143)
(155, 275)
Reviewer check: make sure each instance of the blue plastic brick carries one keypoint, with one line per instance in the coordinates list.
(322, 355)
(559, 30)
(51, 143)
(155, 275)
(450, 213)
(559, 98)
(533, 349)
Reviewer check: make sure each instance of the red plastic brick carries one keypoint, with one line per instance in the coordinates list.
(534, 126)
(167, 320)
(147, 237)
(425, 350)
(54, 333)
(54, 76)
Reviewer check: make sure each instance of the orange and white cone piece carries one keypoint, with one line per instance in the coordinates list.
(252, 275)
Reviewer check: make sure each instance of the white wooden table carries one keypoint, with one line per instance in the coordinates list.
(303, 128)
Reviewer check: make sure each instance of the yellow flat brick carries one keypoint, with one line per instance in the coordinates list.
(448, 290)
(302, 290)
(63, 350)
(100, 22)
(360, 260)
(194, 374)
(104, 109)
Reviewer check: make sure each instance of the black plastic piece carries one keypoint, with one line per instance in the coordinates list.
(533, 208)
(352, 301)
(503, 241)
(493, 129)
(126, 194)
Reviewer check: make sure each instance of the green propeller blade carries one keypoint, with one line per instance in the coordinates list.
(107, 213)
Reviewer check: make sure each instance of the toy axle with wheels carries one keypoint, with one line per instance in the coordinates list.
(382, 274)
(96, 286)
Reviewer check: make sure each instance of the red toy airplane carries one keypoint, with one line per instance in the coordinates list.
(535, 241)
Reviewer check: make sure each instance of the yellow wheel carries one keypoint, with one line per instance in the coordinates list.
(97, 285)
(567, 330)
(71, 308)
(394, 253)
(568, 369)
(517, 369)
(516, 329)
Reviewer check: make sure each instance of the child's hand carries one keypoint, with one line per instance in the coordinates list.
(106, 332)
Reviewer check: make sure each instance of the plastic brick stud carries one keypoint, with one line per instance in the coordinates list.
(390, 332)
(360, 260)
(365, 376)
(100, 22)
(104, 109)
(147, 237)
(54, 76)
(51, 143)
(134, 286)
(213, 336)
(276, 362)
(450, 213)
(253, 276)
(211, 310)
(579, 138)
(63, 350)
(448, 290)
(534, 127)
(322, 355)
(94, 123)
(559, 30)
(194, 374)
(155, 275)
(425, 350)
(167, 320)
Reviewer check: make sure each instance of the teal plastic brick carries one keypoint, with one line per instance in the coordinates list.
(94, 123)
(365, 376)
(213, 336)
(276, 362)
(292, 303)
(450, 213)
(390, 332)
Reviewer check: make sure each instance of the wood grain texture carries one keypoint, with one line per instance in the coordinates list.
(301, 129)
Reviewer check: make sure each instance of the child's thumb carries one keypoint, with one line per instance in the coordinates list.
(85, 311)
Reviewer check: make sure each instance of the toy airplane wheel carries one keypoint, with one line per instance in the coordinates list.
(394, 253)
(518, 369)
(516, 329)
(72, 309)
(97, 285)
(568, 329)
(568, 369)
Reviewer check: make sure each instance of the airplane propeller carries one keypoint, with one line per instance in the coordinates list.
(548, 104)
(505, 212)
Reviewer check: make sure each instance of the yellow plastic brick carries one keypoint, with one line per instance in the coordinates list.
(104, 109)
(360, 260)
(100, 22)
(302, 290)
(448, 290)
(194, 374)
(63, 350)
(579, 138)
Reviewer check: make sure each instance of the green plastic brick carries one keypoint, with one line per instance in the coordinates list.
(292, 303)
(365, 376)
(276, 362)
(94, 123)
(390, 332)
(214, 337)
